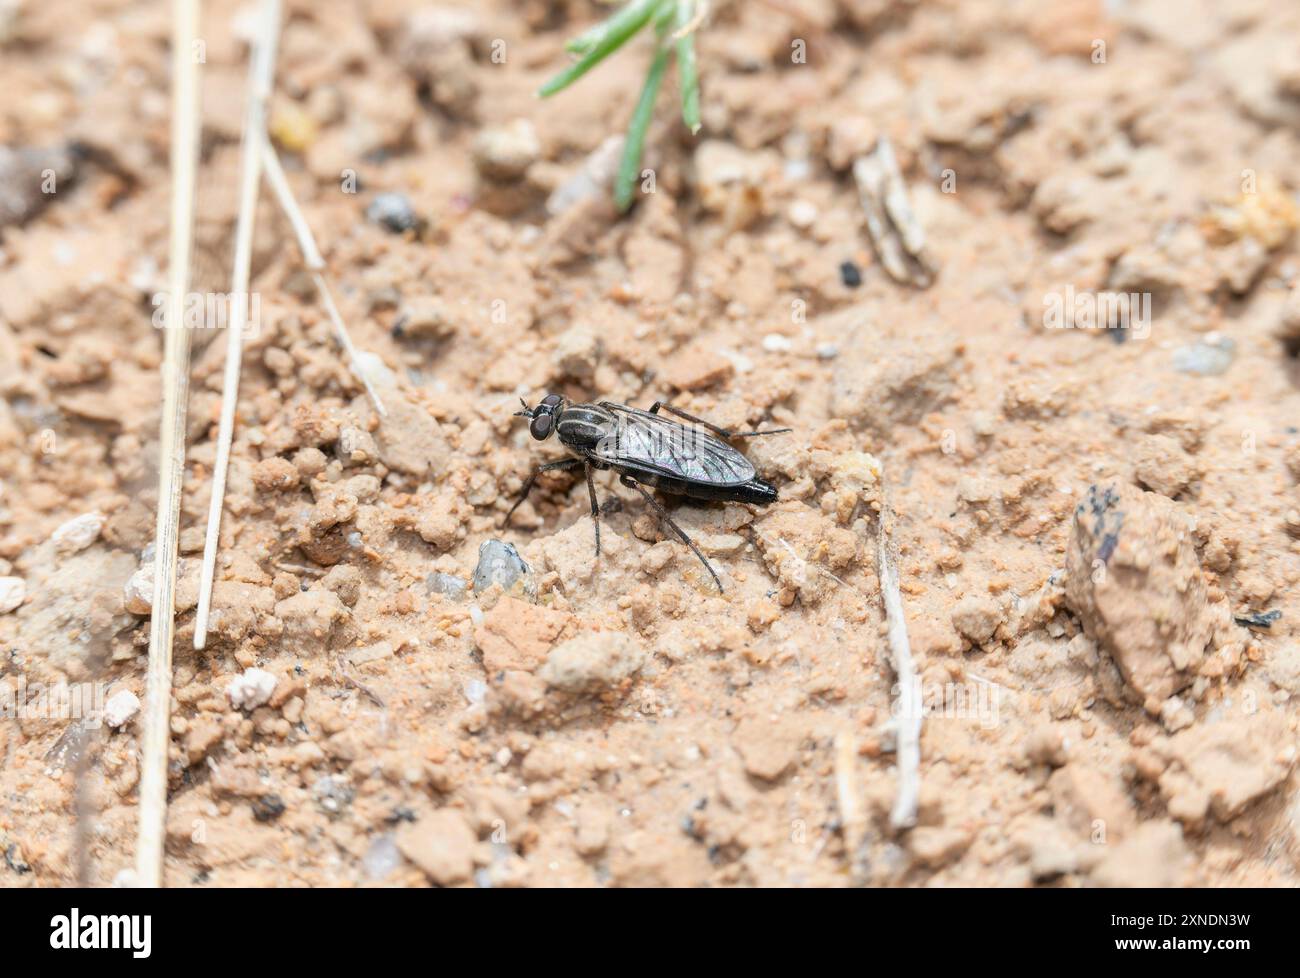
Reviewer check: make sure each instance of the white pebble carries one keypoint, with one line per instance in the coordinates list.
(137, 594)
(252, 689)
(120, 708)
(13, 590)
(802, 214)
(776, 343)
(79, 533)
(356, 447)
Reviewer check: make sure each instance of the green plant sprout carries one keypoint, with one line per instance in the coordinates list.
(674, 23)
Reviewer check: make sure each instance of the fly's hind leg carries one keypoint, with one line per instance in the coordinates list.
(564, 463)
(595, 508)
(663, 515)
(720, 432)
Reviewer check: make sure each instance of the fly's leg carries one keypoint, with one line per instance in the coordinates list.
(663, 515)
(595, 509)
(564, 463)
(720, 432)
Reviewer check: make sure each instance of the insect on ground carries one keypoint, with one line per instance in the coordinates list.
(647, 449)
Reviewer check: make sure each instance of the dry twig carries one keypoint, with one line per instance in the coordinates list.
(261, 72)
(315, 263)
(156, 723)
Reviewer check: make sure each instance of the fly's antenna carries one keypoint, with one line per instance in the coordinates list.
(527, 412)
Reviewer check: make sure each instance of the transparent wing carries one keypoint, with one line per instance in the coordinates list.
(671, 449)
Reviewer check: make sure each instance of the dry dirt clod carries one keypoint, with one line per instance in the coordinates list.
(1135, 582)
(441, 844)
(1220, 768)
(517, 635)
(592, 661)
(976, 617)
(1155, 855)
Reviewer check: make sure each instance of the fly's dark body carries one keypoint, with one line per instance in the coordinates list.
(647, 449)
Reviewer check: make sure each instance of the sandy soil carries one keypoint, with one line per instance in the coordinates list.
(1079, 520)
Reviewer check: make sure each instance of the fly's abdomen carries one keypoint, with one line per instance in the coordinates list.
(756, 491)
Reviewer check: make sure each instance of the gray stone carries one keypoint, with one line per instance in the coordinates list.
(498, 563)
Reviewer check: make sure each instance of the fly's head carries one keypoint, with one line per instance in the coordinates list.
(542, 417)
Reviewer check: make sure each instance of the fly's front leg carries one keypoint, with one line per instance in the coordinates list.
(663, 515)
(720, 432)
(595, 509)
(564, 463)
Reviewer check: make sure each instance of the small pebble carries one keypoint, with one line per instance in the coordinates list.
(498, 563)
(381, 858)
(394, 212)
(356, 446)
(776, 343)
(850, 274)
(1209, 358)
(13, 591)
(137, 594)
(251, 689)
(332, 794)
(79, 533)
(448, 584)
(268, 809)
(802, 214)
(506, 152)
(120, 708)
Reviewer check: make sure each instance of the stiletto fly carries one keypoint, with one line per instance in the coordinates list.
(647, 449)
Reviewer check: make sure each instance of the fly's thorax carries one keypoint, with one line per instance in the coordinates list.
(583, 426)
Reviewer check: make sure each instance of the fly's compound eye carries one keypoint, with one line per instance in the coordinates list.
(541, 427)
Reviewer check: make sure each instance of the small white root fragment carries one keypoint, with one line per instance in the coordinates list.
(909, 713)
(853, 815)
(315, 264)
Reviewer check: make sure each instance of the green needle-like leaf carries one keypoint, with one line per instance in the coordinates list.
(597, 44)
(688, 76)
(629, 168)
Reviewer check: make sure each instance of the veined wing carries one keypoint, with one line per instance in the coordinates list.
(675, 450)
